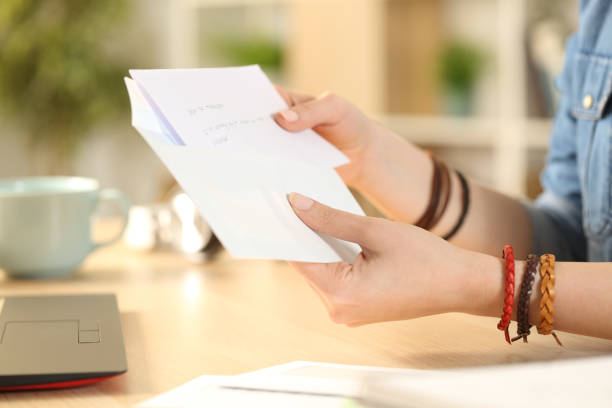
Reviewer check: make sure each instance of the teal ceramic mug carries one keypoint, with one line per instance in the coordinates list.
(45, 224)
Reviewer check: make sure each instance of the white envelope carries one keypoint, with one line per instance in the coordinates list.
(229, 109)
(243, 195)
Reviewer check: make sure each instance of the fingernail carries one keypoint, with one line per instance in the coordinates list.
(289, 115)
(300, 202)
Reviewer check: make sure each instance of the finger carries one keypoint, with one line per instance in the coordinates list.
(325, 110)
(292, 98)
(365, 231)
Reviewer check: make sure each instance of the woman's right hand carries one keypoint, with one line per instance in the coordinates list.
(339, 122)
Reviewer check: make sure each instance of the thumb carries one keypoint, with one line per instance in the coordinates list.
(339, 224)
(326, 109)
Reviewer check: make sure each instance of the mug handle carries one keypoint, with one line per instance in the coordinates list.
(124, 206)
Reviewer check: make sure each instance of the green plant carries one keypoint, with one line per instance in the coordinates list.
(57, 78)
(460, 65)
(258, 49)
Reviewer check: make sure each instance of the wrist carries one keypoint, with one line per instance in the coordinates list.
(395, 175)
(485, 283)
(468, 276)
(371, 159)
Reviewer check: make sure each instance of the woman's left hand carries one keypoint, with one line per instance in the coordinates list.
(403, 271)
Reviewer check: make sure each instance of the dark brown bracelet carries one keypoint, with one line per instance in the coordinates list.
(522, 311)
(425, 220)
(445, 194)
(465, 205)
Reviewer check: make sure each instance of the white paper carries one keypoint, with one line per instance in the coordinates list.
(144, 117)
(244, 200)
(567, 383)
(255, 391)
(243, 195)
(562, 384)
(230, 109)
(295, 384)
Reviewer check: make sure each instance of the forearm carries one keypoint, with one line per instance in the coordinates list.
(397, 179)
(583, 304)
(493, 220)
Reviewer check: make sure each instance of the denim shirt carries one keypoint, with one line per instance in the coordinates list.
(572, 218)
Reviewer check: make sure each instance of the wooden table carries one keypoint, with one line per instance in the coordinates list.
(181, 320)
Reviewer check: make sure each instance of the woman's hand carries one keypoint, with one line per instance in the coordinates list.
(336, 120)
(392, 173)
(403, 271)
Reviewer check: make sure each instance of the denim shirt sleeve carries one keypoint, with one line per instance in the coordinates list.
(556, 215)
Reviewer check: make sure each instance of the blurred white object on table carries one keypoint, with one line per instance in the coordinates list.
(175, 225)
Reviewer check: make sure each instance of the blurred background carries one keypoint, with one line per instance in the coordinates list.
(471, 80)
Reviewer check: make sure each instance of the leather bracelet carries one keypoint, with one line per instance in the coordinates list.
(425, 220)
(465, 205)
(504, 323)
(522, 310)
(547, 291)
(445, 194)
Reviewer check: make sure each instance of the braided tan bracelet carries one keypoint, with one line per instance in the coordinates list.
(547, 290)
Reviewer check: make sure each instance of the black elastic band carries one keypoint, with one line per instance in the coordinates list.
(465, 192)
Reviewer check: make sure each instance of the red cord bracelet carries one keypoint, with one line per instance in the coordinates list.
(508, 292)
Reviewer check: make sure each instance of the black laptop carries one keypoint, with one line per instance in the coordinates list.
(59, 341)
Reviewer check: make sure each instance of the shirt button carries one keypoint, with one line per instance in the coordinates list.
(587, 102)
